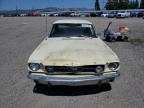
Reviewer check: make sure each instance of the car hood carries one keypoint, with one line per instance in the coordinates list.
(73, 52)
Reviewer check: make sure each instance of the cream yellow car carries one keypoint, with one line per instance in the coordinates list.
(73, 55)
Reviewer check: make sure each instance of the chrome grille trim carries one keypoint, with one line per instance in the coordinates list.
(65, 69)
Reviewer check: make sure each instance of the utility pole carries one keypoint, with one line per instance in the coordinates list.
(16, 14)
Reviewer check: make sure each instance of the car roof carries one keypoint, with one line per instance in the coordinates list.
(72, 21)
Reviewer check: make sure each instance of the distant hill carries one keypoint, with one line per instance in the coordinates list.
(50, 9)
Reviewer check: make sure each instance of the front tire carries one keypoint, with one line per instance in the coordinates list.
(112, 80)
(125, 39)
(112, 39)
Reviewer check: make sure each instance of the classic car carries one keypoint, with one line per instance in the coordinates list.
(73, 55)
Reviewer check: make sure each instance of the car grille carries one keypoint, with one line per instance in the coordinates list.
(71, 69)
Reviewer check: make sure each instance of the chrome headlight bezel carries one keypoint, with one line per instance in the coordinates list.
(34, 66)
(113, 66)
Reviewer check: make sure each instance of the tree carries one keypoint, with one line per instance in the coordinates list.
(112, 5)
(108, 5)
(142, 4)
(97, 5)
(133, 4)
(123, 4)
(136, 4)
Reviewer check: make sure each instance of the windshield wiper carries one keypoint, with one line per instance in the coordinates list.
(85, 36)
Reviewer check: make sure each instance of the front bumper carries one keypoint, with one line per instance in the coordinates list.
(74, 81)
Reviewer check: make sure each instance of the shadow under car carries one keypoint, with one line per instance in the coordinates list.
(71, 90)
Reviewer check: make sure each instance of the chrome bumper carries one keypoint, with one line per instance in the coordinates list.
(74, 81)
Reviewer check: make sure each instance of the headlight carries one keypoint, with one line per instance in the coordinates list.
(113, 66)
(99, 69)
(34, 66)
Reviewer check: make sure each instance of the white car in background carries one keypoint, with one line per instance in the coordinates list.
(123, 14)
(104, 15)
(75, 14)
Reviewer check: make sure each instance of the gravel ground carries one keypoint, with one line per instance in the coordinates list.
(20, 36)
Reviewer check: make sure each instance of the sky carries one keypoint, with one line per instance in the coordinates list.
(29, 4)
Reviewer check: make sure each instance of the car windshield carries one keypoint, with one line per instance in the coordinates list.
(72, 30)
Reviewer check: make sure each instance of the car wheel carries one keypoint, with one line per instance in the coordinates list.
(112, 80)
(38, 88)
(105, 87)
(108, 38)
(125, 39)
(36, 82)
(112, 39)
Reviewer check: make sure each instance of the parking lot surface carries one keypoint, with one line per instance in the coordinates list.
(19, 36)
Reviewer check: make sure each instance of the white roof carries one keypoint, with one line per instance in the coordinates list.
(72, 21)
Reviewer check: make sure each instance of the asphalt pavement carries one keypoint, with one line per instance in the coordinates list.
(19, 36)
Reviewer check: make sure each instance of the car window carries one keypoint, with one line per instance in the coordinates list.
(72, 30)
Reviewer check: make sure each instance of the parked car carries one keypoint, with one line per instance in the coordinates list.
(111, 15)
(99, 14)
(75, 14)
(123, 14)
(119, 15)
(22, 15)
(65, 14)
(133, 14)
(93, 14)
(85, 15)
(55, 14)
(140, 14)
(73, 55)
(104, 14)
(45, 14)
